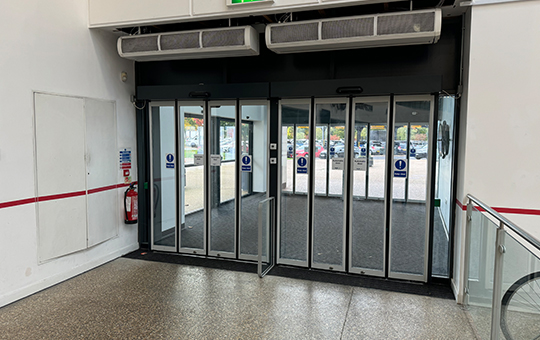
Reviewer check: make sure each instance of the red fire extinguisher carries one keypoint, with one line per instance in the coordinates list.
(130, 205)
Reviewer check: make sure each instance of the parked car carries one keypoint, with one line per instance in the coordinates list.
(421, 152)
(400, 148)
(376, 148)
(290, 150)
(303, 151)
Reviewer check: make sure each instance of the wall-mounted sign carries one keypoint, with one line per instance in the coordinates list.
(125, 158)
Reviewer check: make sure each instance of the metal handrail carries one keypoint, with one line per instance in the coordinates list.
(522, 233)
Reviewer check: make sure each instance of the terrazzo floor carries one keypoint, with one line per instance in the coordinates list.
(135, 299)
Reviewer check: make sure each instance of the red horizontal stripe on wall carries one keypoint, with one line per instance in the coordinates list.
(18, 202)
(110, 187)
(518, 211)
(60, 196)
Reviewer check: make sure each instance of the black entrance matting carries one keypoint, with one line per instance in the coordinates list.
(433, 290)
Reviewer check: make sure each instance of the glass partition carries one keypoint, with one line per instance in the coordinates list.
(480, 284)
(443, 201)
(502, 292)
(163, 136)
(520, 304)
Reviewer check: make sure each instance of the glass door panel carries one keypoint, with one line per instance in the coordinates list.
(321, 159)
(293, 200)
(368, 214)
(222, 179)
(302, 150)
(409, 215)
(163, 174)
(377, 150)
(192, 169)
(253, 179)
(328, 204)
(444, 204)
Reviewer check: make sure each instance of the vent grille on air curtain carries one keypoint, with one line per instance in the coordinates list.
(211, 43)
(395, 29)
(300, 32)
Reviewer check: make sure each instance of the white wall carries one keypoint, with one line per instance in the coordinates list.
(51, 50)
(500, 117)
(128, 13)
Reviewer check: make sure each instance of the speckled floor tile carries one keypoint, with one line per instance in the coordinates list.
(133, 299)
(376, 314)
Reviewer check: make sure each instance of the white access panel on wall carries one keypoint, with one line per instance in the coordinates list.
(126, 11)
(220, 6)
(101, 169)
(60, 169)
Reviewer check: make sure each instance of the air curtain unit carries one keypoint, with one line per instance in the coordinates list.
(395, 29)
(209, 43)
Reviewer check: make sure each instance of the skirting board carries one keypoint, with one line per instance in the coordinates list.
(51, 281)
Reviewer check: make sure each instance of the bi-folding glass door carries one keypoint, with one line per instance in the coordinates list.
(208, 173)
(412, 139)
(354, 190)
(369, 172)
(329, 178)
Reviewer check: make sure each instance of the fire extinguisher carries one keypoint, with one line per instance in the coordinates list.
(130, 205)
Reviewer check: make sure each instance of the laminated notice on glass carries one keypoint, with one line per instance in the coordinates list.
(198, 159)
(360, 164)
(301, 165)
(246, 163)
(215, 160)
(338, 163)
(400, 168)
